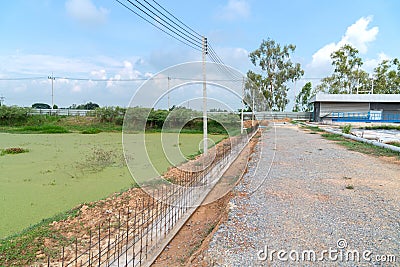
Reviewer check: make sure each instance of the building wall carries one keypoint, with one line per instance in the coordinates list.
(388, 108)
(323, 109)
(316, 112)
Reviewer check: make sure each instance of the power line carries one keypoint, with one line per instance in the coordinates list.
(157, 19)
(199, 38)
(109, 79)
(198, 34)
(162, 19)
(23, 78)
(174, 34)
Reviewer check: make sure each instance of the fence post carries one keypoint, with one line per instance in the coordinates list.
(99, 247)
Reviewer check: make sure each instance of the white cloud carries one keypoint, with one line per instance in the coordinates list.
(76, 88)
(234, 9)
(99, 74)
(127, 72)
(370, 64)
(84, 11)
(358, 35)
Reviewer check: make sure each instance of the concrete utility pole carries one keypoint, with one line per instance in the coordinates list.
(205, 137)
(253, 116)
(52, 89)
(169, 78)
(241, 114)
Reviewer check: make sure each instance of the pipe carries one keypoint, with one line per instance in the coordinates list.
(359, 139)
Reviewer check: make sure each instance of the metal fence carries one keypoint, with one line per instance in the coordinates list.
(275, 115)
(136, 236)
(365, 117)
(62, 112)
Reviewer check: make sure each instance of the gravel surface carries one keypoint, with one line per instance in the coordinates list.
(303, 205)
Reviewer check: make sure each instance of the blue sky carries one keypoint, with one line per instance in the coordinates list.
(100, 39)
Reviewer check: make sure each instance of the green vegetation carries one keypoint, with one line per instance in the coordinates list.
(382, 127)
(349, 186)
(13, 115)
(63, 170)
(22, 248)
(346, 129)
(303, 103)
(312, 128)
(111, 119)
(278, 70)
(91, 131)
(13, 150)
(43, 129)
(361, 147)
(394, 143)
(349, 78)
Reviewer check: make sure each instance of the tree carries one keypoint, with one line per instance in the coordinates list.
(278, 69)
(387, 77)
(41, 106)
(87, 106)
(303, 99)
(347, 76)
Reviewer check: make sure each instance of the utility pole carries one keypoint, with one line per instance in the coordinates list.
(205, 137)
(241, 114)
(2, 100)
(169, 78)
(372, 80)
(252, 110)
(52, 89)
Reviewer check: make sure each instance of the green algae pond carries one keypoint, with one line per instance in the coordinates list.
(60, 171)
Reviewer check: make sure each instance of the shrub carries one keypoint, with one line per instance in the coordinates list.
(47, 128)
(91, 131)
(346, 129)
(14, 150)
(13, 115)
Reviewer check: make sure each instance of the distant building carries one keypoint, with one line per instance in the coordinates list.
(356, 107)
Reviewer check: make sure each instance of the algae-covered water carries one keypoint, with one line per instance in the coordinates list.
(61, 171)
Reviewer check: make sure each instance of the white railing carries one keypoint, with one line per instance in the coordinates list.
(62, 112)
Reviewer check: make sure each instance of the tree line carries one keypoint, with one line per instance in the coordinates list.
(134, 118)
(268, 88)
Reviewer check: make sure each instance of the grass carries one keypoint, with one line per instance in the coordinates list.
(394, 143)
(313, 128)
(91, 131)
(382, 127)
(22, 248)
(42, 129)
(361, 147)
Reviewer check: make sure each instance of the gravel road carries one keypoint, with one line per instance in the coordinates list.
(303, 206)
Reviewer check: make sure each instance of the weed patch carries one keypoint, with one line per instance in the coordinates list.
(91, 131)
(43, 129)
(361, 147)
(24, 248)
(382, 127)
(14, 150)
(346, 129)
